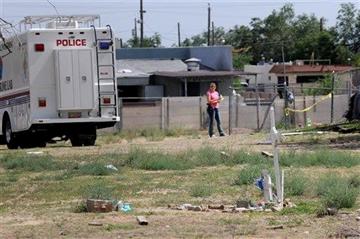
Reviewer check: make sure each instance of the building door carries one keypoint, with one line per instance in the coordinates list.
(193, 88)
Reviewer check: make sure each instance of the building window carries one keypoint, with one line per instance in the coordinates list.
(308, 79)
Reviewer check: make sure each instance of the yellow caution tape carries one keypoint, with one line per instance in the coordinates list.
(287, 110)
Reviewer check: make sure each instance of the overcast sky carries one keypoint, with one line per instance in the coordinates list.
(162, 16)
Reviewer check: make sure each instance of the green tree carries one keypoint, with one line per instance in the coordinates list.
(202, 38)
(239, 60)
(152, 41)
(239, 37)
(346, 24)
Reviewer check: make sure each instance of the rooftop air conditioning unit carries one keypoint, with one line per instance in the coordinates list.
(193, 64)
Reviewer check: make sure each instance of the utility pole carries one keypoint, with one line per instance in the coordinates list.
(179, 37)
(321, 24)
(136, 41)
(209, 22)
(212, 33)
(141, 24)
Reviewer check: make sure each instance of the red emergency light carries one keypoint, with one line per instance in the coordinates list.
(39, 47)
(106, 100)
(42, 102)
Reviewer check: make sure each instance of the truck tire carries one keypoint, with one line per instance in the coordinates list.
(90, 141)
(75, 141)
(9, 135)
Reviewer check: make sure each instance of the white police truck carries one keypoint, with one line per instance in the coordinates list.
(57, 80)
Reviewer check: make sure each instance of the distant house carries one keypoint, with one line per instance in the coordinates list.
(294, 74)
(306, 74)
(158, 72)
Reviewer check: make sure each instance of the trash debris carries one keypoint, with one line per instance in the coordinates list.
(267, 154)
(223, 153)
(195, 208)
(288, 203)
(259, 183)
(242, 206)
(117, 205)
(331, 211)
(216, 207)
(241, 209)
(112, 167)
(35, 152)
(243, 203)
(96, 224)
(275, 227)
(276, 208)
(96, 205)
(126, 207)
(357, 219)
(142, 220)
(189, 207)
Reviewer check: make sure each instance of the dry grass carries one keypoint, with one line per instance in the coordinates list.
(46, 199)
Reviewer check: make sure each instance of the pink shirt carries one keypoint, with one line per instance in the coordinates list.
(213, 96)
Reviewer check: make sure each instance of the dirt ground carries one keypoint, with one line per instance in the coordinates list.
(34, 217)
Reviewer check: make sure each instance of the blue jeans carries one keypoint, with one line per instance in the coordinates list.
(214, 112)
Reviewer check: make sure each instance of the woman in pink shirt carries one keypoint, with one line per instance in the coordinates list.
(213, 99)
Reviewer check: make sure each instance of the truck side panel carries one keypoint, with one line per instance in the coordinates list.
(14, 84)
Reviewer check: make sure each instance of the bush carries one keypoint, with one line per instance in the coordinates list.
(336, 192)
(95, 169)
(205, 157)
(242, 157)
(354, 181)
(30, 162)
(248, 175)
(330, 159)
(295, 184)
(157, 161)
(201, 190)
(98, 190)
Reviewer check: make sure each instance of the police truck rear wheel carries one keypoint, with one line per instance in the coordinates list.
(9, 136)
(90, 141)
(75, 141)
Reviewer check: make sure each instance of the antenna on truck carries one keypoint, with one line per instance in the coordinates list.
(57, 12)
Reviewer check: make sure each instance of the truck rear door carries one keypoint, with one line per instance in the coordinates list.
(74, 80)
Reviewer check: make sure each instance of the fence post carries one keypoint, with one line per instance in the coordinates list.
(200, 113)
(332, 98)
(230, 113)
(119, 125)
(257, 105)
(237, 111)
(167, 113)
(162, 116)
(304, 104)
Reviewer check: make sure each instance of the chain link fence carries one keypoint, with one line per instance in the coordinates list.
(295, 106)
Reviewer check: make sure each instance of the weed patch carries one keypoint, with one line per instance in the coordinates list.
(308, 207)
(201, 190)
(336, 192)
(329, 159)
(157, 161)
(98, 190)
(248, 175)
(94, 169)
(30, 162)
(295, 184)
(242, 157)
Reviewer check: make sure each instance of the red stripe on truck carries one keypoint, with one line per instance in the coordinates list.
(8, 97)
